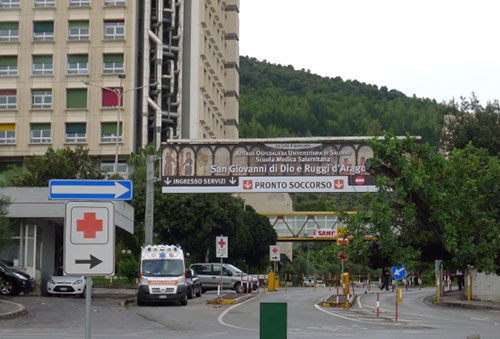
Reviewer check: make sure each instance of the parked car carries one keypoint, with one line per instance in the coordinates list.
(60, 284)
(14, 281)
(232, 277)
(194, 284)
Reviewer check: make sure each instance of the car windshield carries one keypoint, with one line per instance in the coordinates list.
(233, 268)
(4, 265)
(162, 268)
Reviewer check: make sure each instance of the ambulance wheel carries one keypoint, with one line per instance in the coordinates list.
(140, 302)
(184, 301)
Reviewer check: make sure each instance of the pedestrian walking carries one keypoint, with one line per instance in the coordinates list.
(460, 279)
(386, 275)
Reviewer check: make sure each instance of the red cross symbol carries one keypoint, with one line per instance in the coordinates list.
(275, 250)
(222, 243)
(89, 225)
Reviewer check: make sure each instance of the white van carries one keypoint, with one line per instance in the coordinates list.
(162, 275)
(232, 276)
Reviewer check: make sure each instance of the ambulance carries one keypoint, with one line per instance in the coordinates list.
(162, 275)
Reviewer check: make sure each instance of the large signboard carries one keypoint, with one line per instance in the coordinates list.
(266, 165)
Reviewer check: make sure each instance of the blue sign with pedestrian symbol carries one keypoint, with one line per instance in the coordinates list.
(398, 272)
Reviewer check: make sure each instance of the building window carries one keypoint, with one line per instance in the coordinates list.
(110, 98)
(42, 65)
(79, 3)
(9, 31)
(76, 132)
(10, 4)
(8, 65)
(41, 99)
(113, 64)
(114, 30)
(76, 98)
(114, 2)
(109, 167)
(108, 132)
(45, 3)
(40, 133)
(7, 133)
(43, 31)
(8, 99)
(78, 30)
(78, 64)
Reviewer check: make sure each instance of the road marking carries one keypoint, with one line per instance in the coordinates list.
(223, 314)
(342, 317)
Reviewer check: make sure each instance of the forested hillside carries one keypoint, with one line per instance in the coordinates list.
(278, 101)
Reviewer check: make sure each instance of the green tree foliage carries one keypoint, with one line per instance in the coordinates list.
(430, 207)
(5, 232)
(470, 122)
(54, 164)
(194, 220)
(278, 101)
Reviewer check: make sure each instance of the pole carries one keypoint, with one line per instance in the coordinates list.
(378, 304)
(219, 291)
(468, 287)
(396, 300)
(88, 302)
(150, 198)
(119, 97)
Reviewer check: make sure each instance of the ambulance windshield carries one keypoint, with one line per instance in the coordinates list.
(162, 268)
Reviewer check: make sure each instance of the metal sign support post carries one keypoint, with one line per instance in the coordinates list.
(397, 296)
(219, 292)
(88, 304)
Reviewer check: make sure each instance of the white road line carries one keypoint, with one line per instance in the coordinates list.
(223, 314)
(342, 317)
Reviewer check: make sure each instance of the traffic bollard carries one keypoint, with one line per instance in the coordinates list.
(378, 304)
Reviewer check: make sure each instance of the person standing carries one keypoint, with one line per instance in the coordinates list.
(460, 279)
(385, 279)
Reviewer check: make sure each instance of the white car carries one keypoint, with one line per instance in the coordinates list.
(61, 284)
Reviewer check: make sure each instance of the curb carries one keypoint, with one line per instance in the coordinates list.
(230, 301)
(324, 303)
(128, 301)
(461, 304)
(19, 311)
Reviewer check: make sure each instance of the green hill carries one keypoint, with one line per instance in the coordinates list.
(278, 101)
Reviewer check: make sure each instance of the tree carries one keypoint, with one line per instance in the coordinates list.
(5, 232)
(470, 122)
(194, 220)
(54, 164)
(430, 207)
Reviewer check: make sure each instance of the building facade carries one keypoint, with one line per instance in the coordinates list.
(115, 75)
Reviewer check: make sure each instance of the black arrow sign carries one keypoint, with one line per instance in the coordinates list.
(93, 261)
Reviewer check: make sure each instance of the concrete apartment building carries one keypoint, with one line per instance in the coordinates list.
(112, 76)
(115, 75)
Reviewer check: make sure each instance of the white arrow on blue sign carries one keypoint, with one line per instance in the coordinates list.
(398, 272)
(66, 189)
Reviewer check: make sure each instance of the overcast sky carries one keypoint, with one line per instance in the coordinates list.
(440, 49)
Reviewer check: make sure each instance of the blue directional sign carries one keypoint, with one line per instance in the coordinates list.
(398, 272)
(65, 189)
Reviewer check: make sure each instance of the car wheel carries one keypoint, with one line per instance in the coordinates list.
(184, 301)
(239, 288)
(200, 290)
(9, 287)
(83, 294)
(190, 293)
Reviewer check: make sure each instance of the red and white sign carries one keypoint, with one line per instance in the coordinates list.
(221, 247)
(247, 185)
(342, 241)
(341, 255)
(274, 253)
(360, 180)
(338, 184)
(89, 238)
(324, 233)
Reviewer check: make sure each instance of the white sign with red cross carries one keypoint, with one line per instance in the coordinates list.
(274, 253)
(221, 247)
(89, 238)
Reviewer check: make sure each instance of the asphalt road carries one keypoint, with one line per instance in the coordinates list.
(64, 318)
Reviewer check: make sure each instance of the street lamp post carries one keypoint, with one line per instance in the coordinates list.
(119, 92)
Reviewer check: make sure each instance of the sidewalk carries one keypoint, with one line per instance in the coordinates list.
(459, 299)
